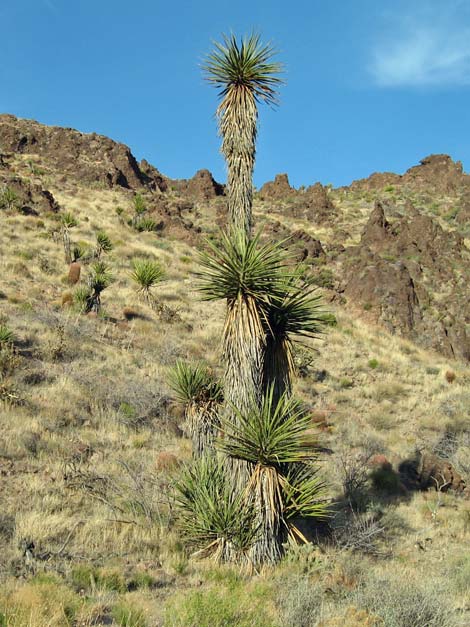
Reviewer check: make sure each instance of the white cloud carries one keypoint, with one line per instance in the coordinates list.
(427, 48)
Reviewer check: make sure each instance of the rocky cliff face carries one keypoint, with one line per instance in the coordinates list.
(88, 158)
(434, 174)
(412, 277)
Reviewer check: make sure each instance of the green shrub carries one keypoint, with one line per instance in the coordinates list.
(386, 480)
(373, 363)
(382, 422)
(128, 616)
(139, 204)
(69, 220)
(323, 278)
(399, 603)
(225, 607)
(8, 198)
(140, 580)
(80, 297)
(146, 224)
(6, 336)
(460, 574)
(88, 578)
(330, 320)
(83, 578)
(300, 603)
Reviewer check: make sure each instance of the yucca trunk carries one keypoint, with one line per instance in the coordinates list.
(202, 426)
(278, 367)
(238, 126)
(265, 490)
(243, 348)
(67, 245)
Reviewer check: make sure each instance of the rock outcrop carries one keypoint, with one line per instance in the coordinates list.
(398, 273)
(312, 204)
(25, 196)
(277, 189)
(86, 157)
(435, 173)
(201, 187)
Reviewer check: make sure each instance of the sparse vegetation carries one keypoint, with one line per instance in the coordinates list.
(8, 198)
(114, 507)
(104, 244)
(147, 274)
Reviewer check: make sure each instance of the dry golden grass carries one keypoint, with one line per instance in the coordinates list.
(81, 446)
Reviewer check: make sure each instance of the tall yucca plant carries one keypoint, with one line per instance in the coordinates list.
(196, 388)
(294, 312)
(245, 75)
(244, 273)
(277, 442)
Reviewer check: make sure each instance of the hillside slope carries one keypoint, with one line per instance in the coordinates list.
(91, 441)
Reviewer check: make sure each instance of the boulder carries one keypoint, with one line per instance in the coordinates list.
(435, 472)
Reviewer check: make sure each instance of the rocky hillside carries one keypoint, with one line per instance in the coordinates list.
(392, 247)
(91, 440)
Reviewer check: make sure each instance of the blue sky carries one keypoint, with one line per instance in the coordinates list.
(370, 86)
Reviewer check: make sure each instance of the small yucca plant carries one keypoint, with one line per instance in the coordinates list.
(99, 279)
(196, 388)
(80, 251)
(103, 244)
(8, 198)
(6, 336)
(68, 221)
(147, 274)
(213, 520)
(146, 224)
(139, 204)
(81, 298)
(193, 383)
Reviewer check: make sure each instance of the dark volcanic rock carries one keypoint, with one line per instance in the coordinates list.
(307, 247)
(398, 273)
(317, 205)
(312, 204)
(376, 181)
(436, 173)
(203, 186)
(377, 229)
(435, 472)
(277, 189)
(31, 199)
(89, 158)
(386, 288)
(155, 180)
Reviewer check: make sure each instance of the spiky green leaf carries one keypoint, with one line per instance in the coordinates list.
(274, 434)
(193, 383)
(244, 65)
